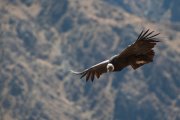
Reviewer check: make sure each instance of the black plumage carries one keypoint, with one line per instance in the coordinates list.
(139, 53)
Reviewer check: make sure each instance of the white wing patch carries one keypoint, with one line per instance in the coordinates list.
(140, 62)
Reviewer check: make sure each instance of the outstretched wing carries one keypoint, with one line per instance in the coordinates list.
(141, 52)
(93, 71)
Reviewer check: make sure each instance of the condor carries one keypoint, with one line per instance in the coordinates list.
(136, 55)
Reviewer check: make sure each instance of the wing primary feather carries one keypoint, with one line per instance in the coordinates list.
(83, 74)
(153, 40)
(92, 76)
(140, 35)
(153, 36)
(88, 75)
(97, 74)
(148, 34)
(80, 73)
(144, 34)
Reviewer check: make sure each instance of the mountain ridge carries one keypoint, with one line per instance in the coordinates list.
(43, 40)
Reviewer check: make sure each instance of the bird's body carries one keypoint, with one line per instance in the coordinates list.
(136, 55)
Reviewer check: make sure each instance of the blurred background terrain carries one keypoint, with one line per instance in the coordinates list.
(41, 40)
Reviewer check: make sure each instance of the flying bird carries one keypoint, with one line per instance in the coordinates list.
(136, 55)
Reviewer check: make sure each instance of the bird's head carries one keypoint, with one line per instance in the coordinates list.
(110, 67)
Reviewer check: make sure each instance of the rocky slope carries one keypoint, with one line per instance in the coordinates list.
(42, 40)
